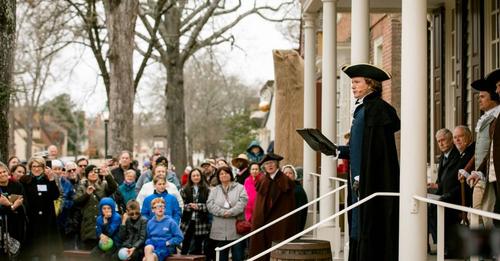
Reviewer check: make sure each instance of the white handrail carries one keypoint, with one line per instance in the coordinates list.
(337, 238)
(218, 249)
(284, 242)
(440, 220)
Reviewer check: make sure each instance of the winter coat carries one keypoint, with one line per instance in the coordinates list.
(145, 177)
(254, 157)
(43, 237)
(252, 195)
(111, 228)
(275, 197)
(172, 178)
(172, 208)
(149, 189)
(17, 219)
(127, 191)
(200, 215)
(89, 204)
(224, 228)
(161, 231)
(133, 233)
(300, 200)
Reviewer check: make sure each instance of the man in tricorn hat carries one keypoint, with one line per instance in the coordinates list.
(484, 178)
(374, 167)
(275, 198)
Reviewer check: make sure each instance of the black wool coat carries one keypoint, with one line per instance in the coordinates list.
(379, 217)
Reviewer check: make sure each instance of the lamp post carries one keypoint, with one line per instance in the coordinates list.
(105, 117)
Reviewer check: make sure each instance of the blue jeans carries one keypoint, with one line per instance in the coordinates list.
(237, 251)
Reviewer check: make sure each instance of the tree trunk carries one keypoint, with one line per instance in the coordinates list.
(121, 17)
(7, 47)
(174, 91)
(28, 128)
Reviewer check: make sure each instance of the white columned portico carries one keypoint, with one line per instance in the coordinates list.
(329, 117)
(360, 31)
(309, 160)
(412, 215)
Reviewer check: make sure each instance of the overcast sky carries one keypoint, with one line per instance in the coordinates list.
(251, 61)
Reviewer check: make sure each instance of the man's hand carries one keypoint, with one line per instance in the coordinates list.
(124, 218)
(463, 174)
(432, 185)
(474, 178)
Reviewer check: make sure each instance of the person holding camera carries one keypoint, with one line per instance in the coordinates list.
(96, 184)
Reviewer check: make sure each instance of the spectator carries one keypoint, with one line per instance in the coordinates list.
(147, 175)
(255, 152)
(88, 195)
(133, 231)
(40, 192)
(241, 164)
(163, 233)
(82, 163)
(148, 188)
(185, 175)
(12, 211)
(70, 218)
(17, 171)
(300, 197)
(194, 223)
(107, 228)
(125, 164)
(209, 172)
(220, 162)
(13, 161)
(53, 152)
(172, 208)
(57, 170)
(275, 197)
(171, 176)
(226, 203)
(127, 188)
(255, 176)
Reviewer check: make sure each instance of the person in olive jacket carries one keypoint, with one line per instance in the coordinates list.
(96, 184)
(133, 231)
(43, 239)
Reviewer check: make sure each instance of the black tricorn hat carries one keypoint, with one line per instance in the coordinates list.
(486, 86)
(366, 70)
(270, 156)
(493, 78)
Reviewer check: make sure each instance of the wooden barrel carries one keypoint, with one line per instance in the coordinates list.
(303, 249)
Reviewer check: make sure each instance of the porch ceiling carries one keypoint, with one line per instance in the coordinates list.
(376, 6)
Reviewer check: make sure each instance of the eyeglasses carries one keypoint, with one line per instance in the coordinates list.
(36, 166)
(71, 170)
(159, 206)
(82, 166)
(133, 213)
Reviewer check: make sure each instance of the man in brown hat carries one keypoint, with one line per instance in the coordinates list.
(241, 164)
(275, 197)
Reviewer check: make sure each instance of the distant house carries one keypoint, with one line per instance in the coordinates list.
(45, 131)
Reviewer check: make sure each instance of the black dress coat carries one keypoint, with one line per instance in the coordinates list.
(43, 237)
(379, 217)
(16, 220)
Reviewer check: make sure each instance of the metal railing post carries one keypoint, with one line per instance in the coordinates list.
(337, 236)
(440, 233)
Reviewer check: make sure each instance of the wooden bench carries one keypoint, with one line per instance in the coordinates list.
(178, 257)
(76, 255)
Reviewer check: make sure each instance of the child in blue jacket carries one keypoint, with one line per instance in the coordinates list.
(107, 227)
(172, 208)
(163, 233)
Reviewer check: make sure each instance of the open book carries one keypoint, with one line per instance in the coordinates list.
(318, 142)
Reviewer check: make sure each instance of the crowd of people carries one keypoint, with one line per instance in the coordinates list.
(468, 170)
(117, 211)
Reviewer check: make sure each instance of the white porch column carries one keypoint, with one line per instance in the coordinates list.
(309, 161)
(360, 31)
(328, 116)
(412, 215)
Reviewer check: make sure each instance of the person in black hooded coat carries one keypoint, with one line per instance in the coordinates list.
(374, 166)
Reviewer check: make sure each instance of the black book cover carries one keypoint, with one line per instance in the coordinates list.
(318, 142)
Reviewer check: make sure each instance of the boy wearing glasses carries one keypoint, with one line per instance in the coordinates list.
(163, 233)
(133, 231)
